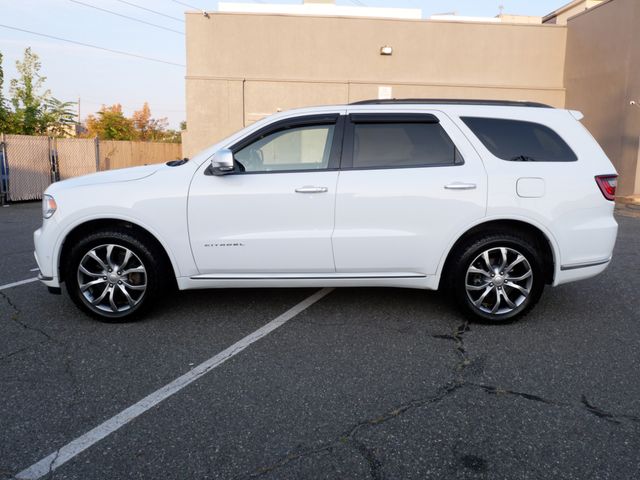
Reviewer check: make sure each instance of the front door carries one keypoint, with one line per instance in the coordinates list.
(274, 214)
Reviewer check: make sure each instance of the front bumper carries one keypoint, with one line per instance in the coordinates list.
(43, 254)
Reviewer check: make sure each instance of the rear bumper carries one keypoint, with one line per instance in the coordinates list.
(575, 272)
(586, 247)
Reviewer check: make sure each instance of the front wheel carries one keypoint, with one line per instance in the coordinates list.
(114, 275)
(498, 278)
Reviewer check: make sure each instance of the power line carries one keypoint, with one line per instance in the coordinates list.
(191, 6)
(119, 52)
(150, 10)
(187, 5)
(127, 17)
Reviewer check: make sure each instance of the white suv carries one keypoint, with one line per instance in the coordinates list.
(488, 200)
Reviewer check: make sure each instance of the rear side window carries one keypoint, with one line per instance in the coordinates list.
(398, 144)
(520, 141)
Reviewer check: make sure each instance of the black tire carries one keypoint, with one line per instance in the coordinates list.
(145, 252)
(470, 254)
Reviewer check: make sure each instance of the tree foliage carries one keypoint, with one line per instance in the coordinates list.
(148, 128)
(110, 123)
(31, 109)
(4, 107)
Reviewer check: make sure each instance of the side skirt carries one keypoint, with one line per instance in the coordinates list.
(429, 282)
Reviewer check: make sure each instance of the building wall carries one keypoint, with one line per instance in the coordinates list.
(562, 15)
(602, 77)
(241, 67)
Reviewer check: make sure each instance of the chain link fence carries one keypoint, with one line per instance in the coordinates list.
(29, 164)
(75, 156)
(28, 161)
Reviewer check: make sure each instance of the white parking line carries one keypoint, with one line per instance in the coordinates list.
(73, 448)
(16, 284)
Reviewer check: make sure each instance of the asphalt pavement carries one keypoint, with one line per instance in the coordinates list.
(364, 383)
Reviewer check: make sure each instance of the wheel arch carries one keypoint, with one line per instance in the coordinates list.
(543, 239)
(83, 227)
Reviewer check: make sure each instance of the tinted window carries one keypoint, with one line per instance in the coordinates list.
(520, 141)
(302, 148)
(402, 145)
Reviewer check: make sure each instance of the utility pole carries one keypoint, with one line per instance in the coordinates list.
(79, 122)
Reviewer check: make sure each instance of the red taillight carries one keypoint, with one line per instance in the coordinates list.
(608, 184)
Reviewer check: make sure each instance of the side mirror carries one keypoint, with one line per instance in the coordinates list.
(222, 162)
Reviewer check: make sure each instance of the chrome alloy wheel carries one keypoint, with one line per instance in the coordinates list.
(112, 278)
(498, 280)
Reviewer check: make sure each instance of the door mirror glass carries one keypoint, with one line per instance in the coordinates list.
(222, 162)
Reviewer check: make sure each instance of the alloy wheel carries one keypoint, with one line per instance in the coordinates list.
(499, 280)
(112, 279)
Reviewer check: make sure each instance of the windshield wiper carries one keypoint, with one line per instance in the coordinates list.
(177, 163)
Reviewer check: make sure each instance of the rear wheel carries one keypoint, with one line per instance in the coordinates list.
(115, 274)
(498, 277)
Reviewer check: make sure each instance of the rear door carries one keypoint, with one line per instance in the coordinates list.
(410, 183)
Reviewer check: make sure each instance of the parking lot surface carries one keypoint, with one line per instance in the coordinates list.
(364, 383)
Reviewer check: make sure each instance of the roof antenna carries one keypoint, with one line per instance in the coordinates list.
(501, 9)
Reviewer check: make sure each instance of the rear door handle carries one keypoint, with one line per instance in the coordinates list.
(310, 189)
(460, 186)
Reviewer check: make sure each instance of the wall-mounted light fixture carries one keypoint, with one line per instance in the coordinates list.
(386, 50)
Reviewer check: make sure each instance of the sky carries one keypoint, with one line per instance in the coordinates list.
(97, 77)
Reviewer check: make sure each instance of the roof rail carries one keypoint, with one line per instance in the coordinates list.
(450, 101)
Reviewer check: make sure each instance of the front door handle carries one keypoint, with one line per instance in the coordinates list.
(310, 189)
(460, 186)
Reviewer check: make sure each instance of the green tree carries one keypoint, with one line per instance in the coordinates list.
(25, 94)
(32, 111)
(5, 112)
(59, 117)
(110, 124)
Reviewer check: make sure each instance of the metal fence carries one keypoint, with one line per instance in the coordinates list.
(76, 156)
(29, 164)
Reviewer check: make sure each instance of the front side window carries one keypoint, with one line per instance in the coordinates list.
(520, 141)
(397, 144)
(298, 148)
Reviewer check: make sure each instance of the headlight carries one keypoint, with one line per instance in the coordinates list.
(49, 206)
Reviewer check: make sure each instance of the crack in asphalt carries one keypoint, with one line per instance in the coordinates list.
(68, 369)
(527, 396)
(609, 417)
(20, 350)
(375, 464)
(51, 472)
(16, 318)
(369, 454)
(349, 437)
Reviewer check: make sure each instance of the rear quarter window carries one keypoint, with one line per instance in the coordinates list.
(517, 140)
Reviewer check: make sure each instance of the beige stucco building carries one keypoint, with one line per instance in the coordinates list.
(244, 66)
